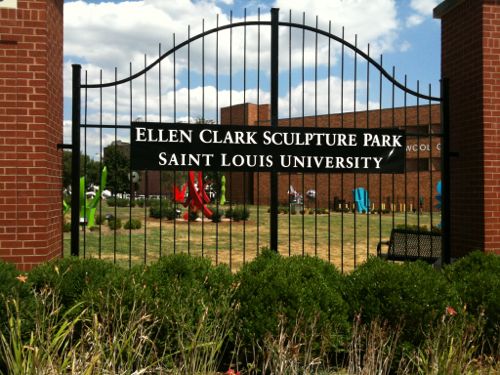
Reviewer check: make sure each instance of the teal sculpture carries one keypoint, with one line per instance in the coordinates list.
(88, 207)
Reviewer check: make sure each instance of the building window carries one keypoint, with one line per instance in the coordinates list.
(423, 164)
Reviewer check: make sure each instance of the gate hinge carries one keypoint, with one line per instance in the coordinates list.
(64, 146)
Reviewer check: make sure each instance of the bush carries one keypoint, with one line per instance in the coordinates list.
(99, 219)
(273, 288)
(150, 202)
(67, 227)
(114, 223)
(119, 202)
(182, 288)
(73, 278)
(476, 278)
(166, 211)
(132, 224)
(217, 215)
(413, 294)
(238, 213)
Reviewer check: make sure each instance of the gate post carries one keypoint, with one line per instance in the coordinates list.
(445, 171)
(470, 31)
(75, 161)
(274, 123)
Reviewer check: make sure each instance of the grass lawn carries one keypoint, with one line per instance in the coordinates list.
(344, 239)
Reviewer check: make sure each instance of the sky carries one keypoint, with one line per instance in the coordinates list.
(103, 36)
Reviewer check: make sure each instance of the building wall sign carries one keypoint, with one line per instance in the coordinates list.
(174, 146)
(8, 4)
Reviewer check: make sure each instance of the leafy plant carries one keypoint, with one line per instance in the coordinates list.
(132, 224)
(239, 213)
(296, 288)
(114, 223)
(166, 211)
(412, 294)
(217, 215)
(476, 278)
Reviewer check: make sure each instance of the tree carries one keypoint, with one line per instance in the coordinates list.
(116, 158)
(88, 168)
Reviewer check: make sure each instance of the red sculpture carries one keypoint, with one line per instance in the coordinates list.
(197, 198)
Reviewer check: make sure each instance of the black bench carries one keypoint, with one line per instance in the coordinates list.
(410, 245)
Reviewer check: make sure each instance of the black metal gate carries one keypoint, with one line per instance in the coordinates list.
(270, 72)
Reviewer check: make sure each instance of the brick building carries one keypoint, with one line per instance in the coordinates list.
(423, 162)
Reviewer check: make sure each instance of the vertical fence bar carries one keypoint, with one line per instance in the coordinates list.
(329, 126)
(160, 172)
(115, 189)
(303, 126)
(175, 119)
(231, 122)
(132, 183)
(316, 125)
(217, 122)
(258, 124)
(445, 171)
(100, 164)
(342, 62)
(145, 172)
(75, 161)
(355, 115)
(245, 123)
(274, 123)
(85, 158)
(290, 124)
(368, 209)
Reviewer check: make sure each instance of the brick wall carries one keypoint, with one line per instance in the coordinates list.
(470, 60)
(31, 114)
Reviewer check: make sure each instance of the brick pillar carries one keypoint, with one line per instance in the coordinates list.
(31, 126)
(471, 61)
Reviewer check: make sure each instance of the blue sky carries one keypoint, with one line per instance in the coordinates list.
(104, 35)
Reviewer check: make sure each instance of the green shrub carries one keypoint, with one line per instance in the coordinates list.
(182, 288)
(150, 202)
(99, 219)
(476, 278)
(72, 278)
(67, 227)
(413, 294)
(132, 224)
(238, 213)
(166, 211)
(217, 215)
(114, 223)
(119, 202)
(295, 289)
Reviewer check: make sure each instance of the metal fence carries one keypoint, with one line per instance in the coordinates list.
(294, 74)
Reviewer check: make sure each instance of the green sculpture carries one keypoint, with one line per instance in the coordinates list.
(88, 207)
(222, 200)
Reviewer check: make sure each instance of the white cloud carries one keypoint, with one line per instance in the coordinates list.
(405, 46)
(414, 20)
(422, 10)
(374, 21)
(424, 7)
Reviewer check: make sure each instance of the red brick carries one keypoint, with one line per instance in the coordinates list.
(30, 79)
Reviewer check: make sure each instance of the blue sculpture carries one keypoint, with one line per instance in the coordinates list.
(438, 198)
(362, 200)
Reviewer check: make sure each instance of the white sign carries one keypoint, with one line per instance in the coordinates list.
(8, 4)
